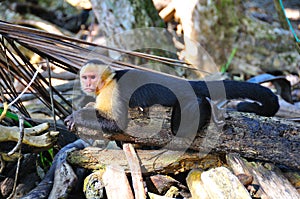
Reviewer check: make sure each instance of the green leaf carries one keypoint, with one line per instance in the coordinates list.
(225, 67)
(15, 117)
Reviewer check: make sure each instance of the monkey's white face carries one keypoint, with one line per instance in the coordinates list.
(89, 82)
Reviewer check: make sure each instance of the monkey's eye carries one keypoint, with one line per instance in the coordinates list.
(83, 77)
(93, 76)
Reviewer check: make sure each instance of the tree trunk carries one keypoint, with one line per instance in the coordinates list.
(225, 26)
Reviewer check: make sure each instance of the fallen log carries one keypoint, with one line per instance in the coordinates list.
(269, 139)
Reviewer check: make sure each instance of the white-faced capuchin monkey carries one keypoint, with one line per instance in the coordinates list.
(118, 90)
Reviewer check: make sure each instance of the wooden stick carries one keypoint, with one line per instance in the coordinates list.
(136, 173)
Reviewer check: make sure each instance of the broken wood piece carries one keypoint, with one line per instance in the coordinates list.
(238, 166)
(93, 186)
(163, 161)
(136, 173)
(271, 181)
(163, 184)
(9, 158)
(195, 184)
(215, 183)
(116, 183)
(32, 137)
(221, 183)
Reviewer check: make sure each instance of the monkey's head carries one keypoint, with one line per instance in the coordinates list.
(94, 75)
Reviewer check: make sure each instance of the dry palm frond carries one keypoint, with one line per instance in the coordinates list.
(70, 51)
(62, 51)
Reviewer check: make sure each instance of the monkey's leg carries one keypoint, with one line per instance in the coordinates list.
(204, 115)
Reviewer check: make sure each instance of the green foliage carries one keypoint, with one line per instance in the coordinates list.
(47, 159)
(225, 67)
(15, 117)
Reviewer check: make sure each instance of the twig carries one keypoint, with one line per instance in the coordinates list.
(16, 176)
(2, 162)
(28, 85)
(21, 135)
(51, 94)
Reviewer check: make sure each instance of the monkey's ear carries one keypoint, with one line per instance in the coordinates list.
(108, 73)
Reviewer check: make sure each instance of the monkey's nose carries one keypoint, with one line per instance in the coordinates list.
(88, 83)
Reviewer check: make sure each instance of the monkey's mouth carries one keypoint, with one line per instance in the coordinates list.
(89, 90)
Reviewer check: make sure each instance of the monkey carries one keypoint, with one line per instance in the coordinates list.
(118, 90)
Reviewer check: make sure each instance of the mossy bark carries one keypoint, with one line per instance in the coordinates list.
(145, 14)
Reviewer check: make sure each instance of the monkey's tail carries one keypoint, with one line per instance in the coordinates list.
(266, 102)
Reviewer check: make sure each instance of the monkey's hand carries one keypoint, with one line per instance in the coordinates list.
(70, 122)
(86, 117)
